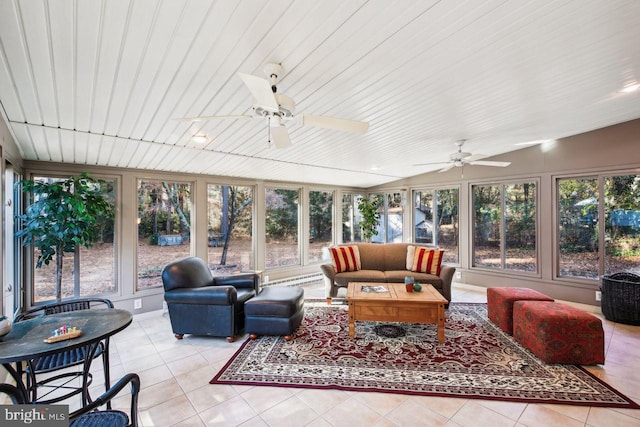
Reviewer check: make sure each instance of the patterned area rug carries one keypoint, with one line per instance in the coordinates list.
(477, 360)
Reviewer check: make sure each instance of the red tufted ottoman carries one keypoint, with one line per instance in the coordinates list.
(500, 304)
(558, 333)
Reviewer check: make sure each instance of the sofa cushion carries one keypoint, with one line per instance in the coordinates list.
(427, 260)
(345, 258)
(411, 253)
(343, 279)
(397, 276)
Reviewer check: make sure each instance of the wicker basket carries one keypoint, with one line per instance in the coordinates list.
(621, 298)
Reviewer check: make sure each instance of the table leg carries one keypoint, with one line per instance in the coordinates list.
(441, 323)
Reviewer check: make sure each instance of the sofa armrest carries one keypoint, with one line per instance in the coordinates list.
(329, 271)
(206, 295)
(239, 281)
(446, 274)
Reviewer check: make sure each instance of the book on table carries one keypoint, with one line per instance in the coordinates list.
(368, 288)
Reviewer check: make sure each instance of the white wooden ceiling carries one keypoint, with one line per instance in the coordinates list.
(101, 82)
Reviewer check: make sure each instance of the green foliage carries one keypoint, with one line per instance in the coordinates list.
(370, 217)
(63, 215)
(281, 217)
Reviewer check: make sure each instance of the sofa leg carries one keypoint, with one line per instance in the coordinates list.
(288, 337)
(253, 336)
(328, 301)
(179, 336)
(230, 339)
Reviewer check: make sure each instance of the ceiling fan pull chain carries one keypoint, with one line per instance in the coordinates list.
(269, 132)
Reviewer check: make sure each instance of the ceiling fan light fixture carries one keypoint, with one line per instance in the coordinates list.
(199, 139)
(630, 88)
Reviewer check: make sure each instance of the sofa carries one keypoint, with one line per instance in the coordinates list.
(383, 263)
(201, 304)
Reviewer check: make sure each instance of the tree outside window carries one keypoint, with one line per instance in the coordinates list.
(437, 226)
(282, 246)
(505, 226)
(622, 224)
(229, 230)
(578, 227)
(88, 271)
(351, 231)
(320, 224)
(164, 227)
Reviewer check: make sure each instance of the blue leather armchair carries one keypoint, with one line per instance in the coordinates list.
(202, 304)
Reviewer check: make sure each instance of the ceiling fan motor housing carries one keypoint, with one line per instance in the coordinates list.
(287, 107)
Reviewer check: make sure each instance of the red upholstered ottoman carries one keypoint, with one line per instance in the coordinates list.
(500, 304)
(558, 333)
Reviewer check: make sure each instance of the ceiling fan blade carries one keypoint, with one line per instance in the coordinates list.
(431, 164)
(204, 118)
(261, 91)
(325, 122)
(446, 168)
(280, 137)
(474, 157)
(490, 163)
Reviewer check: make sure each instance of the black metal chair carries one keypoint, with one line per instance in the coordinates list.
(65, 359)
(90, 415)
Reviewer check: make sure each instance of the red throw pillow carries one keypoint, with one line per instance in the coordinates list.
(427, 261)
(345, 258)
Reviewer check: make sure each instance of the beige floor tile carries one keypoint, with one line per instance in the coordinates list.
(473, 414)
(605, 417)
(187, 364)
(289, 413)
(196, 378)
(159, 393)
(412, 411)
(263, 398)
(512, 410)
(541, 415)
(231, 412)
(194, 421)
(321, 401)
(210, 395)
(168, 413)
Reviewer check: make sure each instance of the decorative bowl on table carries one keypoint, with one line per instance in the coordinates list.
(5, 326)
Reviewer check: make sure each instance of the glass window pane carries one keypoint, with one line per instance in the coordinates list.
(229, 228)
(447, 219)
(395, 211)
(164, 228)
(281, 228)
(520, 224)
(622, 224)
(95, 266)
(423, 216)
(487, 214)
(320, 224)
(381, 201)
(578, 227)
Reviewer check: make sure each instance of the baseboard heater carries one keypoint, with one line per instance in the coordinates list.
(295, 281)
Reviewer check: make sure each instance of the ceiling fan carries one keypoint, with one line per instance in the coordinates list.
(279, 109)
(460, 158)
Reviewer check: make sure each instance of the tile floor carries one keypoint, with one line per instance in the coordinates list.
(176, 391)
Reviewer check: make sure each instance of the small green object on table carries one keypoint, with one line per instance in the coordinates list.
(417, 287)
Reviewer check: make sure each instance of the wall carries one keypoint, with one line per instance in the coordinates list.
(611, 149)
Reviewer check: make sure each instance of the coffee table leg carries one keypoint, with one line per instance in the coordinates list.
(441, 323)
(352, 327)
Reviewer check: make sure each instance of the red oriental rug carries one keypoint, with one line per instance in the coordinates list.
(477, 361)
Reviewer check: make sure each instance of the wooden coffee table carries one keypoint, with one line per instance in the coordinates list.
(395, 305)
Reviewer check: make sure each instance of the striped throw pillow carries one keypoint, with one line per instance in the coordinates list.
(428, 261)
(345, 258)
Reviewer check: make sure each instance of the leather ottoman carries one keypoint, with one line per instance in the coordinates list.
(274, 311)
(500, 304)
(558, 333)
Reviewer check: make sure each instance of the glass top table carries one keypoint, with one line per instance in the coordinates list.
(26, 341)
